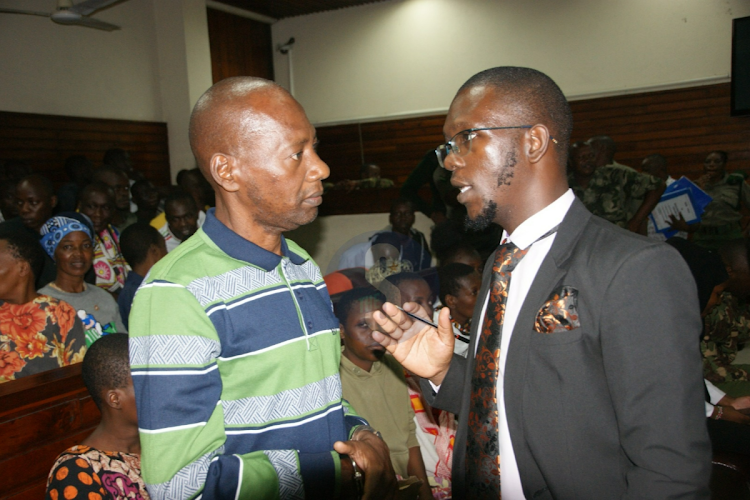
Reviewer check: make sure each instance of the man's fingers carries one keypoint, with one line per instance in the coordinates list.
(445, 329)
(343, 447)
(383, 339)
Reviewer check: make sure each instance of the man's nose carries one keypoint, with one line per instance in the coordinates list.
(452, 162)
(319, 169)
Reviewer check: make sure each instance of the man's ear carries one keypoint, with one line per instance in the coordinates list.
(450, 301)
(53, 199)
(341, 331)
(222, 168)
(24, 268)
(113, 398)
(537, 142)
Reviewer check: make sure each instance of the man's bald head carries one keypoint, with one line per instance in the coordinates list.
(535, 98)
(220, 111)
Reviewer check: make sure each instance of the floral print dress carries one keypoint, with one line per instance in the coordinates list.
(87, 473)
(109, 265)
(38, 336)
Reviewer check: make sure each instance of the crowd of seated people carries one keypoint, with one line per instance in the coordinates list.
(72, 260)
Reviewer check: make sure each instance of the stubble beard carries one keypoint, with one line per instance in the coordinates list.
(489, 211)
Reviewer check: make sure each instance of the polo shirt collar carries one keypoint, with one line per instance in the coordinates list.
(239, 248)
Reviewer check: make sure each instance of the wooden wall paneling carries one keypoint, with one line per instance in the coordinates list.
(239, 46)
(339, 147)
(45, 141)
(682, 124)
(40, 416)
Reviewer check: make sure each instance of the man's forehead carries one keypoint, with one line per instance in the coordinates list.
(473, 106)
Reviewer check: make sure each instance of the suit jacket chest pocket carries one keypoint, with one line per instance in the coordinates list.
(557, 322)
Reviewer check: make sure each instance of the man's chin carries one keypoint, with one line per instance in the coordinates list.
(483, 220)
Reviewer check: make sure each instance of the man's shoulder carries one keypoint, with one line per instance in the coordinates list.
(314, 272)
(600, 240)
(194, 258)
(298, 250)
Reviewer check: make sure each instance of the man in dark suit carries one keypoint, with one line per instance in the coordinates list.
(595, 370)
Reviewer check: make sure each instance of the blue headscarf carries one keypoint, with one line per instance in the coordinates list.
(55, 229)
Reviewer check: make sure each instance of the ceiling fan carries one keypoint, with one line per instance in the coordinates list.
(73, 14)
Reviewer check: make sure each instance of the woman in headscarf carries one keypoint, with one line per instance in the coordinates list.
(68, 241)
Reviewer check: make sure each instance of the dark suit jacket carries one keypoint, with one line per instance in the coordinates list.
(613, 408)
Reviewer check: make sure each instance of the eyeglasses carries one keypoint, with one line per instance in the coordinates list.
(460, 144)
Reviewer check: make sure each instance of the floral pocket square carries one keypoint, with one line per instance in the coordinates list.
(559, 313)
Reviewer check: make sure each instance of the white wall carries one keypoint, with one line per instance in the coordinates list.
(69, 70)
(410, 56)
(153, 69)
(184, 70)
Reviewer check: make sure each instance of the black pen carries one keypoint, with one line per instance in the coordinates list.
(414, 316)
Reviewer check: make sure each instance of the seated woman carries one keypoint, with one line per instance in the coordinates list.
(97, 202)
(37, 332)
(69, 242)
(107, 464)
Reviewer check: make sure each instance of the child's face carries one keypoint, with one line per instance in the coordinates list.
(357, 332)
(417, 291)
(463, 305)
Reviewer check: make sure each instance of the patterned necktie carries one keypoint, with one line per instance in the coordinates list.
(482, 448)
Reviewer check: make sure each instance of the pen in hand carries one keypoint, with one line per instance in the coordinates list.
(414, 316)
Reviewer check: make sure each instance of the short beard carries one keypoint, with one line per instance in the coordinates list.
(489, 211)
(483, 220)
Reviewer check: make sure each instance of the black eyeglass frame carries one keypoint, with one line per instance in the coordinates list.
(451, 147)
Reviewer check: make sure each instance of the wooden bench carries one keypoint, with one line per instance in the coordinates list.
(41, 416)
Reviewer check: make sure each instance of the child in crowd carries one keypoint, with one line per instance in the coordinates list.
(436, 429)
(107, 464)
(459, 287)
(373, 383)
(142, 246)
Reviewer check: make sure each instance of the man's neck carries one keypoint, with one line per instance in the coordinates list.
(23, 293)
(265, 237)
(358, 362)
(143, 268)
(114, 436)
(536, 201)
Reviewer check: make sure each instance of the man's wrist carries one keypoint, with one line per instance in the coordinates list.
(357, 434)
(718, 413)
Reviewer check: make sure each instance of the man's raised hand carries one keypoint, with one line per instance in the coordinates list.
(419, 348)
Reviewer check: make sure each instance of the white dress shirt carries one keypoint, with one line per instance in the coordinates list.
(522, 277)
(715, 394)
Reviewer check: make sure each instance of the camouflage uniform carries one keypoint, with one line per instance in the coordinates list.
(726, 327)
(375, 183)
(615, 192)
(721, 220)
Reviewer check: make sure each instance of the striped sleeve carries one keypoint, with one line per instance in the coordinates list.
(173, 355)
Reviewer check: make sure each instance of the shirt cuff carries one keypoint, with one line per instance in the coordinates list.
(714, 393)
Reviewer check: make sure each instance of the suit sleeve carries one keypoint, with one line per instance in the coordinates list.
(448, 397)
(653, 368)
(173, 356)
